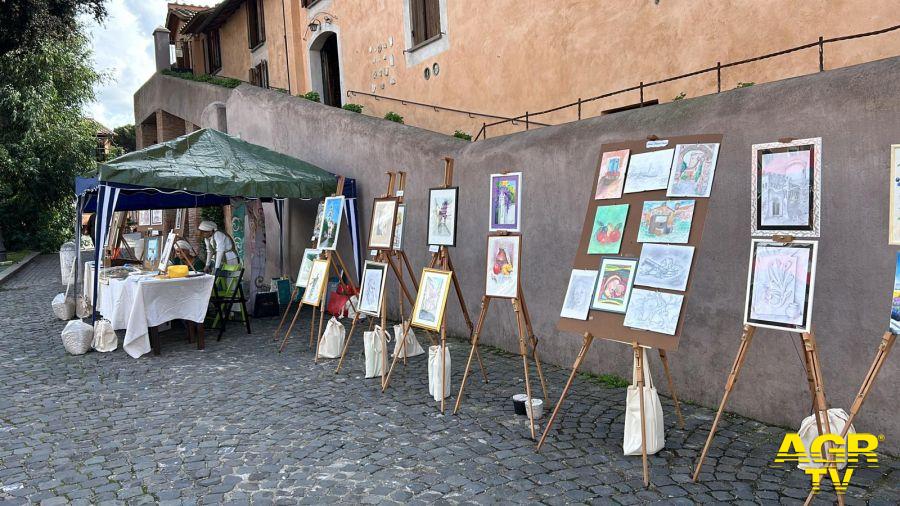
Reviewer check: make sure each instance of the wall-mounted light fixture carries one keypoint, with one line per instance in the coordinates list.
(313, 26)
(316, 23)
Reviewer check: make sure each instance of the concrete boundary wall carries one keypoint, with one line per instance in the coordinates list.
(856, 112)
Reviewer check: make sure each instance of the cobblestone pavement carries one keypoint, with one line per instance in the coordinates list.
(241, 423)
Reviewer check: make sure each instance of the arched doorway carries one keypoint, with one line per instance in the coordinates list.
(326, 69)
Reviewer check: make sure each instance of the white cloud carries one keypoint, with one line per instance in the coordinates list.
(123, 49)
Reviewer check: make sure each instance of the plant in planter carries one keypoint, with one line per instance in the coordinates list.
(392, 116)
(459, 134)
(312, 96)
(353, 107)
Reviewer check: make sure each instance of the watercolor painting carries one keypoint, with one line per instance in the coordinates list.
(372, 288)
(693, 169)
(306, 263)
(319, 211)
(431, 300)
(894, 226)
(611, 178)
(502, 279)
(331, 222)
(666, 221)
(895, 301)
(506, 202)
(442, 205)
(579, 293)
(398, 227)
(780, 284)
(381, 229)
(665, 266)
(606, 234)
(315, 287)
(614, 287)
(156, 217)
(649, 171)
(144, 218)
(654, 311)
(785, 188)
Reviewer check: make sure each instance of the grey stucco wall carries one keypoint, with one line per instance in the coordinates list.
(856, 112)
(183, 98)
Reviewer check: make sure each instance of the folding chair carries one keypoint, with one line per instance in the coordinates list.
(227, 291)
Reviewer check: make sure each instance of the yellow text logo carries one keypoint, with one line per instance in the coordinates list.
(830, 455)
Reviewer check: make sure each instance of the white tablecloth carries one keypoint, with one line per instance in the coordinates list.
(157, 301)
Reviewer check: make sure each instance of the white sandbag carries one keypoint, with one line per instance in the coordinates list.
(374, 350)
(77, 337)
(413, 348)
(67, 254)
(332, 340)
(105, 339)
(809, 431)
(82, 307)
(63, 306)
(434, 372)
(653, 414)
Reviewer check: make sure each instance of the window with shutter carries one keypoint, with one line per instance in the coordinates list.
(426, 20)
(213, 52)
(256, 23)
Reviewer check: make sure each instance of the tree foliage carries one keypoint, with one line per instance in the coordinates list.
(26, 23)
(123, 137)
(44, 139)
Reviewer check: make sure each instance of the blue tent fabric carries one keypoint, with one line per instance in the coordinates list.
(135, 198)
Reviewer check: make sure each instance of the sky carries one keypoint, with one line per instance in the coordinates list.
(123, 50)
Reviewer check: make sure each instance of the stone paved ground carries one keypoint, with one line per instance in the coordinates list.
(241, 423)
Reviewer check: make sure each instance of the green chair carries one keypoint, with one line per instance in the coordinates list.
(228, 291)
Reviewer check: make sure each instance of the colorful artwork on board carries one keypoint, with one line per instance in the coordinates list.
(506, 202)
(666, 221)
(577, 303)
(614, 286)
(780, 284)
(649, 171)
(442, 205)
(331, 223)
(895, 301)
(606, 233)
(611, 178)
(503, 257)
(664, 266)
(785, 187)
(654, 311)
(693, 169)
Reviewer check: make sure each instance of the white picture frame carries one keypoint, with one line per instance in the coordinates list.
(371, 289)
(776, 297)
(579, 294)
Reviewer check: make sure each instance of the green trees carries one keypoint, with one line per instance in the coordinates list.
(124, 138)
(26, 23)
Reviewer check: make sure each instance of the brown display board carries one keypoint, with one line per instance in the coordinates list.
(607, 325)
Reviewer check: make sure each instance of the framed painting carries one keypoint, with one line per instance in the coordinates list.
(309, 256)
(895, 299)
(609, 225)
(693, 169)
(318, 224)
(666, 221)
(894, 231)
(398, 227)
(780, 284)
(434, 286)
(151, 252)
(649, 171)
(654, 311)
(785, 188)
(614, 284)
(384, 217)
(168, 246)
(664, 266)
(315, 286)
(503, 261)
(577, 302)
(156, 217)
(180, 215)
(330, 226)
(372, 288)
(506, 202)
(442, 207)
(144, 218)
(611, 178)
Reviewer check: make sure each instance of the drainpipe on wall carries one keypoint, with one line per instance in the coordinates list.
(161, 46)
(287, 62)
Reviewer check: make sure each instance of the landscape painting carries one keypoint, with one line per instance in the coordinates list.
(780, 285)
(614, 286)
(503, 257)
(611, 178)
(306, 263)
(785, 186)
(664, 266)
(315, 287)
(606, 234)
(506, 202)
(667, 221)
(693, 169)
(654, 311)
(649, 171)
(577, 303)
(442, 205)
(331, 223)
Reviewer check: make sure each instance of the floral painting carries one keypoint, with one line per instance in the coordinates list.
(693, 169)
(506, 202)
(780, 285)
(611, 178)
(502, 279)
(614, 287)
(666, 221)
(606, 233)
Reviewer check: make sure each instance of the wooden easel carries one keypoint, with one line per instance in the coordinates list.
(440, 259)
(814, 380)
(523, 324)
(387, 256)
(638, 359)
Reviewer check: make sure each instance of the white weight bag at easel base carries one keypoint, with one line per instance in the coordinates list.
(105, 339)
(374, 350)
(809, 430)
(434, 372)
(333, 340)
(413, 348)
(653, 414)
